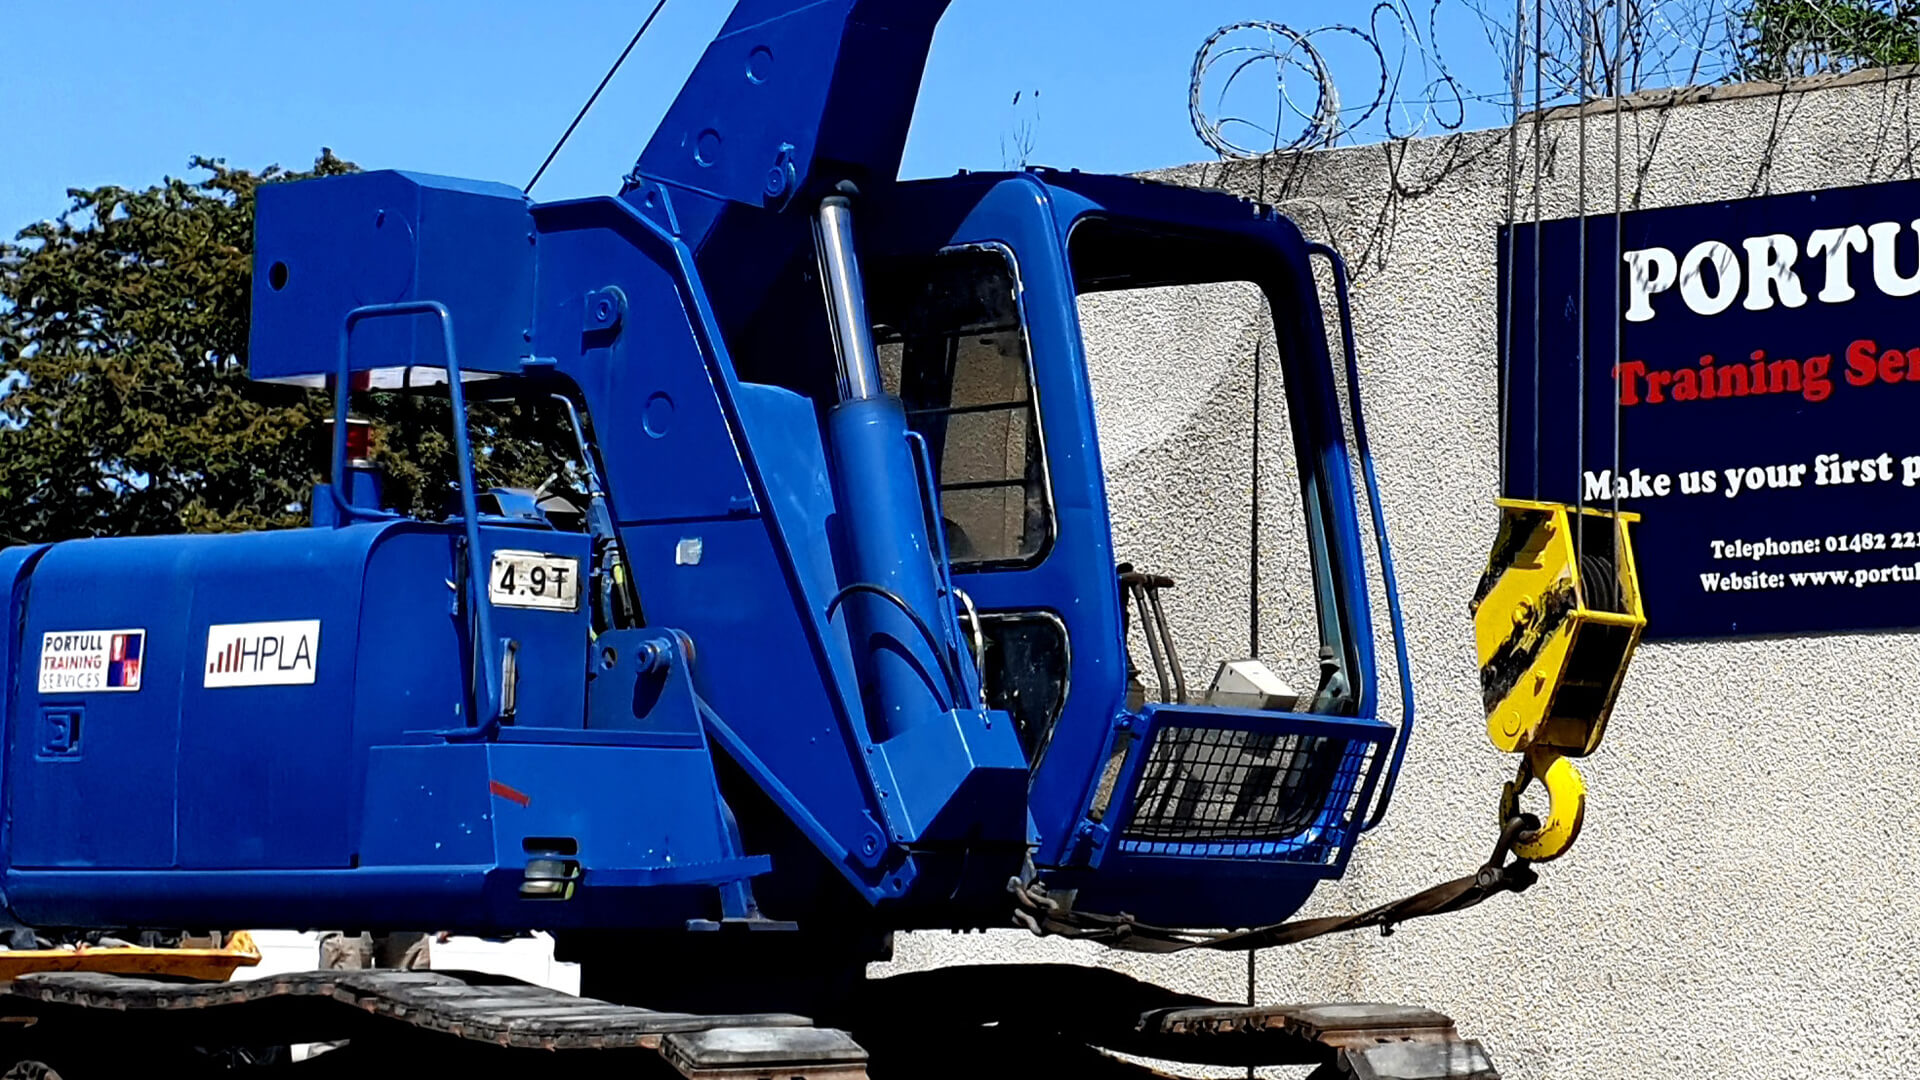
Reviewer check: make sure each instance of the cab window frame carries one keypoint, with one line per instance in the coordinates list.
(1037, 428)
(1235, 257)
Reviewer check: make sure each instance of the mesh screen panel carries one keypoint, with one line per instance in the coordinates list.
(1212, 786)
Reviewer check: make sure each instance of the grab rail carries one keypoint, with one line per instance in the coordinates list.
(1387, 578)
(490, 695)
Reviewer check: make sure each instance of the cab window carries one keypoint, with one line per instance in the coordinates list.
(953, 347)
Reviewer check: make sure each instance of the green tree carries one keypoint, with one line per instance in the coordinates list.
(1779, 40)
(125, 407)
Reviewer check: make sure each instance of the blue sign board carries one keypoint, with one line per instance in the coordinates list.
(1749, 382)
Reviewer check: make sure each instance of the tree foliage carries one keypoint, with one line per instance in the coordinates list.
(1789, 39)
(125, 407)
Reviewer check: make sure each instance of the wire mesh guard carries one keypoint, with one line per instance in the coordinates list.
(1249, 794)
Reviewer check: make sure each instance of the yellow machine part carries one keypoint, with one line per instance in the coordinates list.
(1556, 618)
(1566, 805)
(202, 964)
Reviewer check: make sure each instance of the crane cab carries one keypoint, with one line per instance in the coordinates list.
(979, 289)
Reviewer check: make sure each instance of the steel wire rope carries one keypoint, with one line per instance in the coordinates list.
(1619, 239)
(1539, 136)
(593, 97)
(1515, 81)
(1580, 284)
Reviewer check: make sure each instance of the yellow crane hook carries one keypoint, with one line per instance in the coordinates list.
(1557, 617)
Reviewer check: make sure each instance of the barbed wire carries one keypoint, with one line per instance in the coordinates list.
(1313, 71)
(1295, 60)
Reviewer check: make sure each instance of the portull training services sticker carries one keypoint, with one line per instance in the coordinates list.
(84, 661)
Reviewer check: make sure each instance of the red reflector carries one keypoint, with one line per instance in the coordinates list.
(359, 441)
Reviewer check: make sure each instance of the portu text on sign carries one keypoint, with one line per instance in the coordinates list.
(1760, 362)
(1711, 276)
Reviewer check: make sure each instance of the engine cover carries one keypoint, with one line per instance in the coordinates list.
(269, 729)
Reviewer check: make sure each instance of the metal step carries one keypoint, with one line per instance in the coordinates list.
(1368, 1040)
(754, 1053)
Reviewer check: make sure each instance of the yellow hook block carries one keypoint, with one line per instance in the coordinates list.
(1557, 617)
(1566, 804)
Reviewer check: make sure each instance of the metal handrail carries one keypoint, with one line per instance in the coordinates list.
(1143, 590)
(943, 561)
(1387, 577)
(488, 692)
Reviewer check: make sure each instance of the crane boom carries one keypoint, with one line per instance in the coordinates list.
(794, 96)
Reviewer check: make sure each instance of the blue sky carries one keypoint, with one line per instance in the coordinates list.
(123, 92)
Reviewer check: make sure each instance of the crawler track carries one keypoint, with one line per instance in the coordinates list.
(1051, 1020)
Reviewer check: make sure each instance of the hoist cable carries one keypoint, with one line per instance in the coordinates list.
(1253, 539)
(1539, 135)
(1580, 283)
(593, 97)
(1513, 268)
(1252, 955)
(1619, 238)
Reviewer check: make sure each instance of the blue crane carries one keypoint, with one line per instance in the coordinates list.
(787, 673)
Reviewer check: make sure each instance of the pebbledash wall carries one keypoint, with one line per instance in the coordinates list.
(1745, 899)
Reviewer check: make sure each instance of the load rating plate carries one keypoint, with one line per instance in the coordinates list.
(534, 579)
